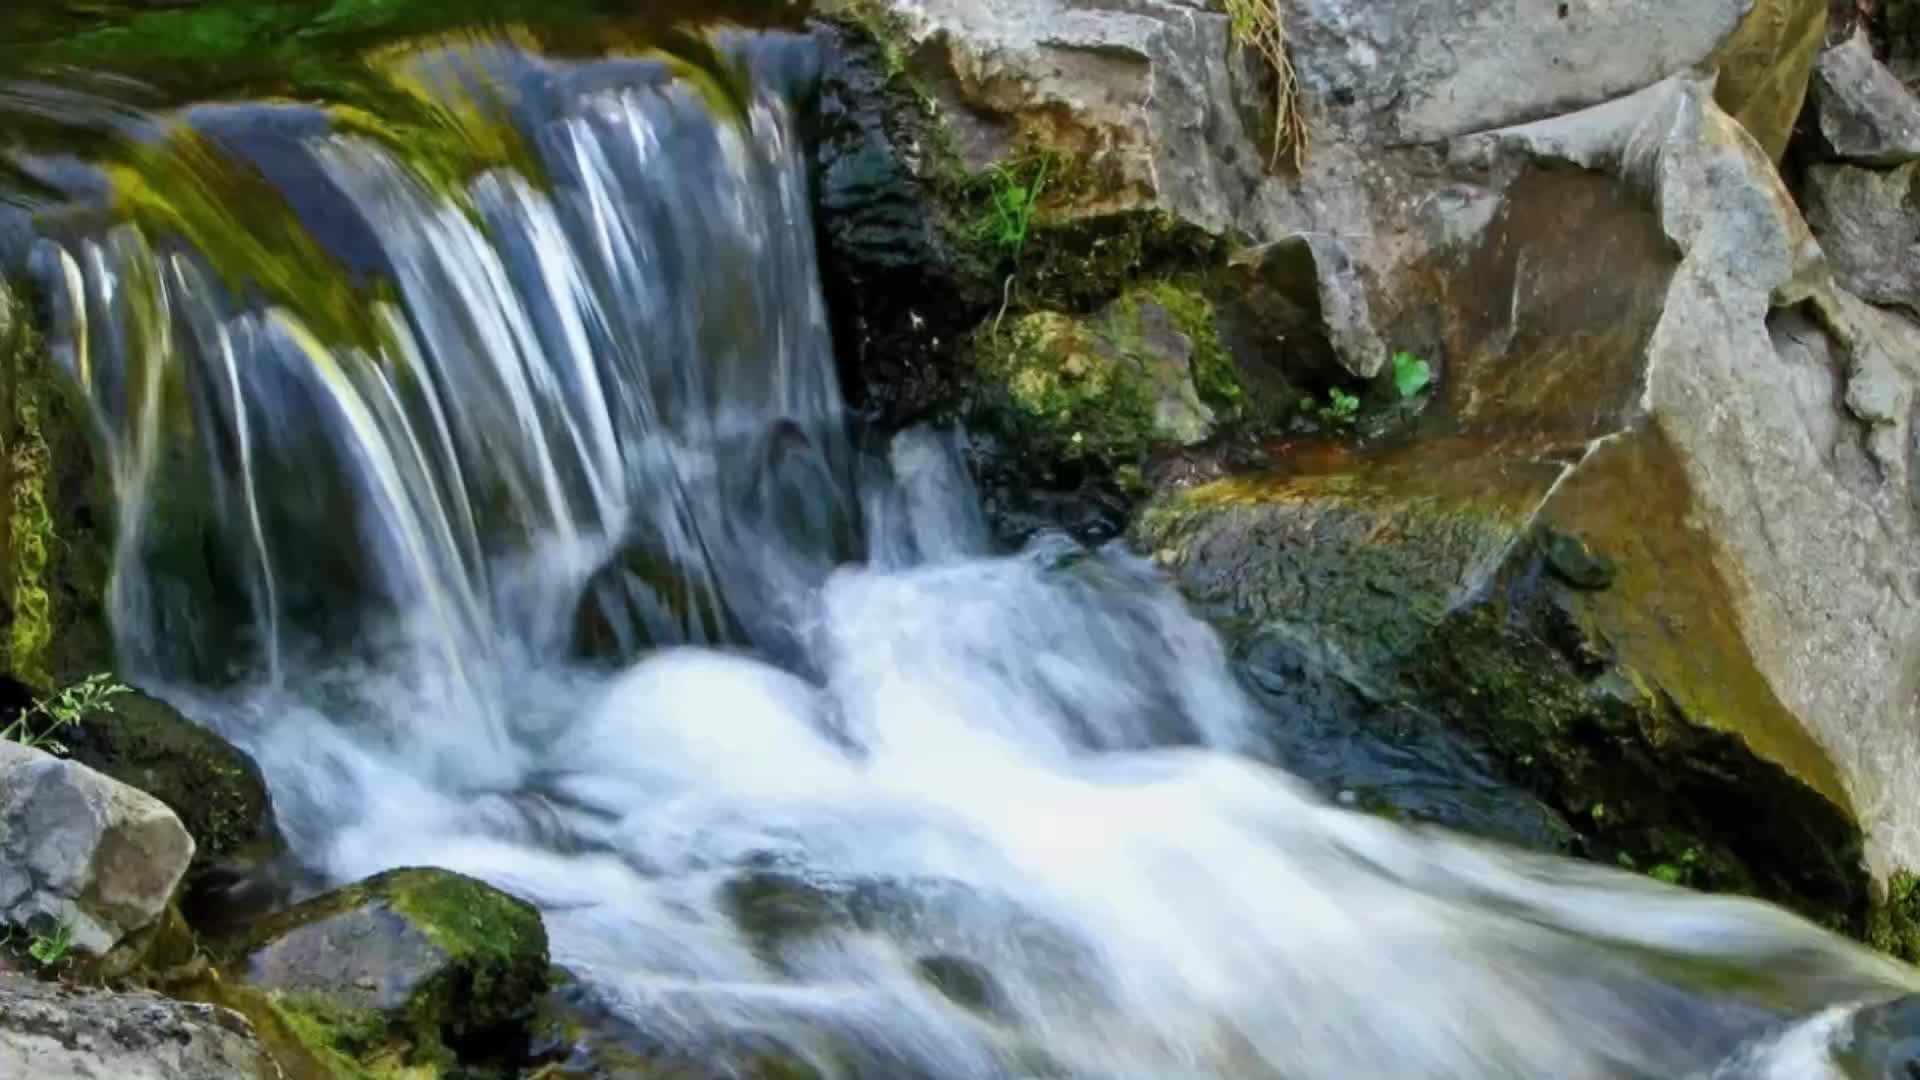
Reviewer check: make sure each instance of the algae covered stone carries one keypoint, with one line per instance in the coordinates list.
(1112, 386)
(415, 967)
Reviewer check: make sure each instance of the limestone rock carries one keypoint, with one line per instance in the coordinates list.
(1680, 385)
(1868, 222)
(1863, 114)
(407, 962)
(53, 1032)
(80, 849)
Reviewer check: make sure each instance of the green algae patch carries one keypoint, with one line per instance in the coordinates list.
(1668, 611)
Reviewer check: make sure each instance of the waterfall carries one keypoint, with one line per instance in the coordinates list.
(492, 486)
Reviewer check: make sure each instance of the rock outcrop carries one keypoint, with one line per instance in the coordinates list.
(1663, 492)
(54, 1032)
(82, 851)
(1861, 112)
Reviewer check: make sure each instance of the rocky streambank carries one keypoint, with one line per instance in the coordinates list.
(1546, 404)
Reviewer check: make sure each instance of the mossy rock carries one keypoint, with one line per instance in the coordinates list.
(1893, 926)
(1111, 387)
(1443, 580)
(416, 972)
(215, 787)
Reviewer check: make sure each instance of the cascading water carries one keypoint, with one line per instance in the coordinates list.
(525, 536)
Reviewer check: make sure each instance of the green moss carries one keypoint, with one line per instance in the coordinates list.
(351, 1042)
(493, 937)
(1067, 392)
(310, 48)
(1893, 925)
(473, 1013)
(30, 537)
(1193, 315)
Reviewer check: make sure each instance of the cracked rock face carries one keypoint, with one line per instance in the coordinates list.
(82, 850)
(53, 1032)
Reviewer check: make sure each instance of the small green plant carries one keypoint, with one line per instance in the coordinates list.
(50, 950)
(1013, 203)
(39, 725)
(1411, 375)
(1340, 408)
(1679, 871)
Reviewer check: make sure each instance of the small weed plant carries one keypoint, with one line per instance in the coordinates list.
(1411, 375)
(1014, 202)
(1340, 409)
(51, 950)
(40, 724)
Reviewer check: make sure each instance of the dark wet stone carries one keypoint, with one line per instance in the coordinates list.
(214, 786)
(1574, 561)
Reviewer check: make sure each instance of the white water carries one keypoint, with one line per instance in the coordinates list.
(580, 586)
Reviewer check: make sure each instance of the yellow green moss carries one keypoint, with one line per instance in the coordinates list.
(1893, 926)
(30, 537)
(1193, 315)
(1067, 391)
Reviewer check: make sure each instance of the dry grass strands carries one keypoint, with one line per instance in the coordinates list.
(1257, 23)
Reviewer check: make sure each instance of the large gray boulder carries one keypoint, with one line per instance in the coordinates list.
(54, 1032)
(82, 850)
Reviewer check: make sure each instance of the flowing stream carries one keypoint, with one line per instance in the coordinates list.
(511, 517)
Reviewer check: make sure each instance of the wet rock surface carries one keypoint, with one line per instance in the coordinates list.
(53, 1032)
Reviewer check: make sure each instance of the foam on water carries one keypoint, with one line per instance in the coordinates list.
(570, 576)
